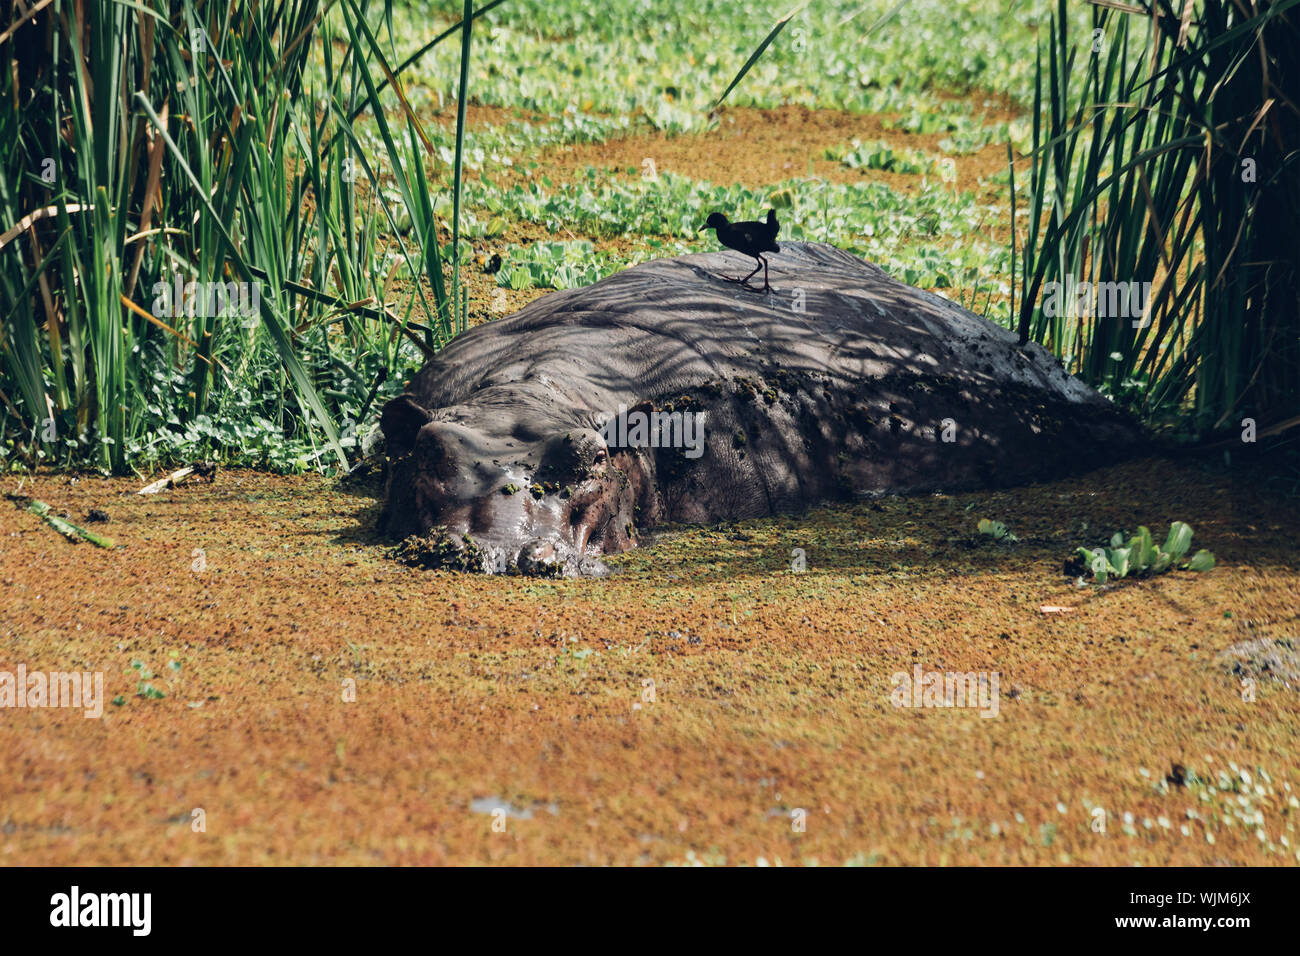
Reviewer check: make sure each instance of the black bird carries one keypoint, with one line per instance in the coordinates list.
(751, 238)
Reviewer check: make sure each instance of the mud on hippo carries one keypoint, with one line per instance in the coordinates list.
(542, 441)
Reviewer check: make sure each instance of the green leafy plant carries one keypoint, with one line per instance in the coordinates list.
(553, 265)
(970, 139)
(877, 154)
(1140, 556)
(144, 686)
(996, 530)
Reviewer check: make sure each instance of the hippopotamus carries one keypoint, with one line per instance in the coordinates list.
(542, 441)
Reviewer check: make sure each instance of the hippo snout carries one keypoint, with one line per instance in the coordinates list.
(541, 557)
(553, 557)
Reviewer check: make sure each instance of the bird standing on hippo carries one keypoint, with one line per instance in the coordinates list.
(751, 238)
(848, 383)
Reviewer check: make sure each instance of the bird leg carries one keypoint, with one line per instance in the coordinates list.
(759, 260)
(762, 264)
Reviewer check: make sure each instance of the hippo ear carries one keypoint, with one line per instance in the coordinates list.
(401, 422)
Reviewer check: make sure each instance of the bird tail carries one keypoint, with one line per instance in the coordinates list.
(773, 227)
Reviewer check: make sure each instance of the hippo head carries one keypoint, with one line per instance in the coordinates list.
(497, 500)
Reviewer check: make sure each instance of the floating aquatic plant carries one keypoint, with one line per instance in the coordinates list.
(1140, 557)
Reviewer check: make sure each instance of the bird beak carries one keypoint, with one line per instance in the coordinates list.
(703, 227)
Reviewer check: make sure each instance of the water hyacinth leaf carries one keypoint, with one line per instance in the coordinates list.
(1142, 553)
(1119, 561)
(1179, 540)
(1141, 556)
(1096, 563)
(996, 530)
(1135, 552)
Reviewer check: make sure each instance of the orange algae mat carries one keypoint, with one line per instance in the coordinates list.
(324, 705)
